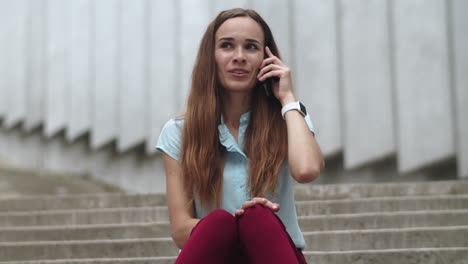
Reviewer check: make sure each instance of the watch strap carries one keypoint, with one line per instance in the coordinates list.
(294, 106)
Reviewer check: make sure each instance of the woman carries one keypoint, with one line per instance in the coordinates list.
(231, 159)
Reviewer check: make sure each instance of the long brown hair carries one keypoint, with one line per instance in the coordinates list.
(265, 144)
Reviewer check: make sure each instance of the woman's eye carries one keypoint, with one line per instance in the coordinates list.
(251, 46)
(226, 45)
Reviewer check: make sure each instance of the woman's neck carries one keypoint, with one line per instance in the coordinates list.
(235, 105)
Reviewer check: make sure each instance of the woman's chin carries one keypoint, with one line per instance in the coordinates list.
(239, 88)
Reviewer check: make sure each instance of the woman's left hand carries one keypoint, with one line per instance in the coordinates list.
(274, 67)
(258, 200)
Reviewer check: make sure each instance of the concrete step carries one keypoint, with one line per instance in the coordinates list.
(140, 260)
(446, 255)
(395, 238)
(122, 248)
(354, 191)
(318, 241)
(307, 223)
(85, 216)
(382, 204)
(83, 201)
(17, 182)
(381, 220)
(85, 232)
(304, 208)
(303, 193)
(386, 256)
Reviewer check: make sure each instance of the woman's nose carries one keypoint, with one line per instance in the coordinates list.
(239, 56)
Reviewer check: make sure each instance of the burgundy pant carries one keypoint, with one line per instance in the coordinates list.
(256, 237)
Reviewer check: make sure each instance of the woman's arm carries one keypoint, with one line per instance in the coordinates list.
(181, 211)
(304, 156)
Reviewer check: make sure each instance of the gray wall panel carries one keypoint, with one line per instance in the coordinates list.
(106, 78)
(315, 70)
(36, 65)
(276, 14)
(460, 55)
(16, 57)
(59, 155)
(368, 135)
(422, 83)
(130, 170)
(163, 68)
(220, 5)
(139, 73)
(27, 148)
(57, 76)
(4, 32)
(194, 17)
(80, 79)
(133, 103)
(20, 148)
(4, 144)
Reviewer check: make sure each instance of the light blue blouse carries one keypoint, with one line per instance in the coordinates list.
(235, 190)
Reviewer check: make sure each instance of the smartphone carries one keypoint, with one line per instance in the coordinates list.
(268, 83)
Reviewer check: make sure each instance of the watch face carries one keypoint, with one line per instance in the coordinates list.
(303, 109)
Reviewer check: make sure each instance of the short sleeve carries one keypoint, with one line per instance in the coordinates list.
(309, 123)
(170, 138)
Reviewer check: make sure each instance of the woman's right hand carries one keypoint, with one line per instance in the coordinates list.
(257, 200)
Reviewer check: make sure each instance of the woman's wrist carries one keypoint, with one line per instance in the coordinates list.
(287, 99)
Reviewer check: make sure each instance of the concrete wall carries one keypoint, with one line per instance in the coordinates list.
(88, 85)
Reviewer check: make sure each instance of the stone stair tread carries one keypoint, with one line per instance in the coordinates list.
(338, 192)
(388, 238)
(387, 230)
(386, 198)
(139, 260)
(452, 255)
(387, 250)
(381, 220)
(18, 181)
(371, 214)
(405, 253)
(85, 232)
(382, 204)
(324, 240)
(346, 231)
(158, 229)
(319, 202)
(75, 242)
(81, 201)
(86, 226)
(357, 190)
(113, 209)
(85, 216)
(79, 196)
(138, 247)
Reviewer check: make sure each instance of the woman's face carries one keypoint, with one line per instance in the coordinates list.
(239, 53)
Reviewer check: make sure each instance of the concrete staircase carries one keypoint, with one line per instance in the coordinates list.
(405, 223)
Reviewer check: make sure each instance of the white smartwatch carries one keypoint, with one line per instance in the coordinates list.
(294, 106)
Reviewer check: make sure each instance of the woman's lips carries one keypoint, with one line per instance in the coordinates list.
(239, 73)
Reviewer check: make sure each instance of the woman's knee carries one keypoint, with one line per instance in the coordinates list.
(221, 216)
(219, 223)
(259, 217)
(258, 211)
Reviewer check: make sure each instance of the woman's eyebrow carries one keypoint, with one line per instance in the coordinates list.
(253, 40)
(232, 39)
(226, 39)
